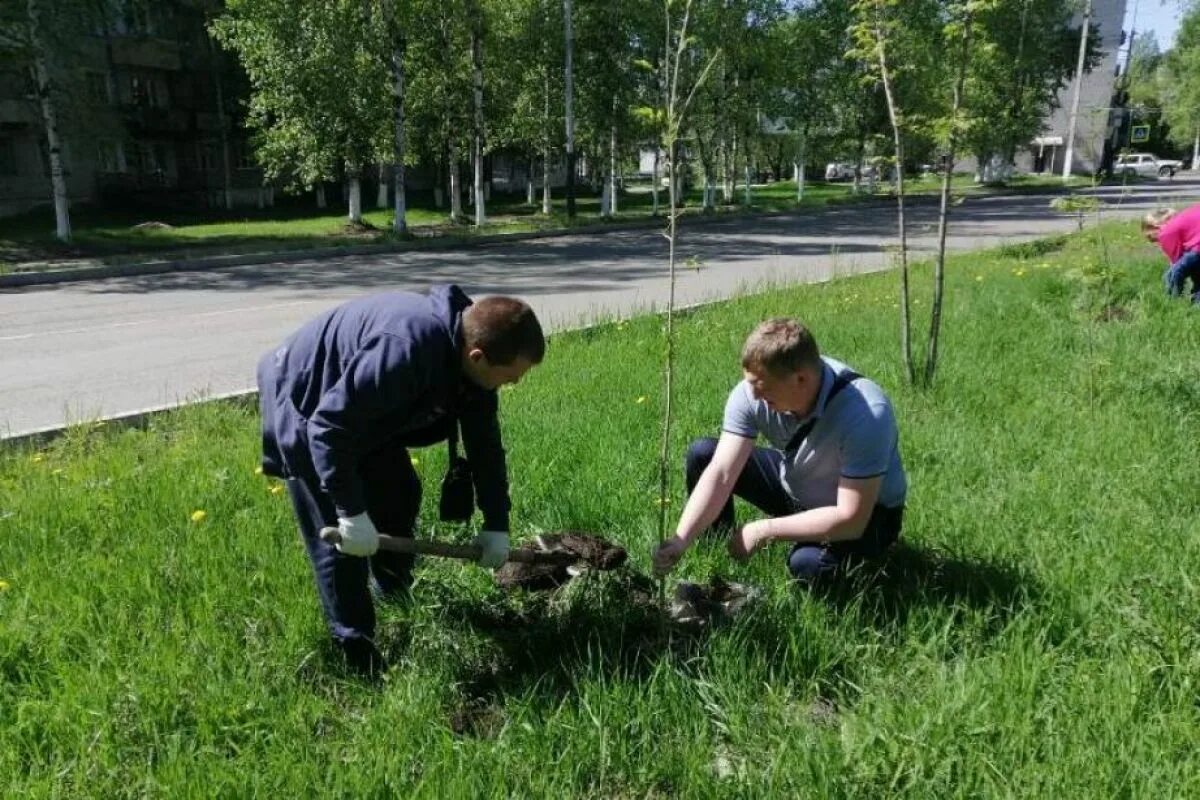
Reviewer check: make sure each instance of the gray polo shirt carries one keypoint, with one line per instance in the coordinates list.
(855, 436)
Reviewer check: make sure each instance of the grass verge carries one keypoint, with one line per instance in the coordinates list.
(159, 634)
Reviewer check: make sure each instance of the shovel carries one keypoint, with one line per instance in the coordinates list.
(462, 552)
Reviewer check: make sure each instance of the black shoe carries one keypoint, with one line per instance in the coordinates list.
(362, 657)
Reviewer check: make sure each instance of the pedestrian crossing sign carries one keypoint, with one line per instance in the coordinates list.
(1139, 133)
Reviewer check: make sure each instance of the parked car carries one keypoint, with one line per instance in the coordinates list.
(1147, 165)
(839, 171)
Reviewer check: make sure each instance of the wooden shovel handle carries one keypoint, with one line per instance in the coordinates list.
(462, 552)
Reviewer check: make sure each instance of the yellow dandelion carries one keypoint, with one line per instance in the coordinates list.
(4, 587)
(978, 277)
(640, 400)
(56, 472)
(662, 501)
(199, 516)
(37, 458)
(277, 488)
(258, 471)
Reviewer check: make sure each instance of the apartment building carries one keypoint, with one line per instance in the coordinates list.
(148, 113)
(1097, 121)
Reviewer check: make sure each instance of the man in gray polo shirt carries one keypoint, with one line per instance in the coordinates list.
(831, 481)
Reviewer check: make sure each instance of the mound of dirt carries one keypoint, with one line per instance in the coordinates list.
(590, 552)
(703, 604)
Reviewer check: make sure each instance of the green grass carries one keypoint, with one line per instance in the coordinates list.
(1036, 636)
(110, 234)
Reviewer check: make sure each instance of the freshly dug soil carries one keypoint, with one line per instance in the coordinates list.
(701, 604)
(590, 550)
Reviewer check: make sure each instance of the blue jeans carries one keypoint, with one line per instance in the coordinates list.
(760, 485)
(1187, 267)
(393, 496)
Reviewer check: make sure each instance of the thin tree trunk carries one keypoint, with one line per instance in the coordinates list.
(1196, 152)
(455, 190)
(1083, 40)
(355, 214)
(381, 193)
(612, 168)
(939, 270)
(893, 112)
(477, 66)
(569, 91)
(58, 172)
(400, 219)
(546, 198)
(320, 192)
(223, 124)
(654, 184)
(529, 194)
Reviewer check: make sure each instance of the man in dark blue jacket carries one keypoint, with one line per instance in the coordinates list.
(346, 396)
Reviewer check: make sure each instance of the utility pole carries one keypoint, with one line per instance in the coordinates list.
(1074, 118)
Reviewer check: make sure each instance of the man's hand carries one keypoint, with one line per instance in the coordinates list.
(494, 547)
(746, 540)
(667, 555)
(359, 537)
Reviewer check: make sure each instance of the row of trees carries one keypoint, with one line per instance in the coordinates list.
(340, 85)
(1163, 89)
(342, 88)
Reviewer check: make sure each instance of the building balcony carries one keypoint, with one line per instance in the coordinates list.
(162, 121)
(147, 53)
(18, 113)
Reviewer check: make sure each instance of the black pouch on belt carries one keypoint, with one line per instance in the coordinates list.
(457, 502)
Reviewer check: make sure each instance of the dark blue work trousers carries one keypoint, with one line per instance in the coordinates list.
(1185, 269)
(393, 496)
(761, 486)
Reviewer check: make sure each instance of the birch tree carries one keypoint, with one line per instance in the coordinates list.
(321, 95)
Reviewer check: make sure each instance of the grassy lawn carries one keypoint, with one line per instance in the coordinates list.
(112, 235)
(1036, 636)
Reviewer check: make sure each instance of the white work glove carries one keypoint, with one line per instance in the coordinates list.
(359, 537)
(494, 547)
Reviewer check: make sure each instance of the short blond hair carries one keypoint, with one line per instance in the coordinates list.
(780, 346)
(1155, 219)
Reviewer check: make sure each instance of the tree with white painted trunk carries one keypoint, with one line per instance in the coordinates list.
(41, 37)
(1023, 53)
(477, 32)
(440, 92)
(320, 101)
(43, 68)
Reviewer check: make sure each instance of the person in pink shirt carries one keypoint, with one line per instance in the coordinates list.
(1178, 234)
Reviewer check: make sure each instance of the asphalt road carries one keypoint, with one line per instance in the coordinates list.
(91, 349)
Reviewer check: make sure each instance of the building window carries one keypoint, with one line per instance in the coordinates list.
(148, 89)
(245, 156)
(97, 88)
(106, 157)
(8, 156)
(210, 157)
(136, 19)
